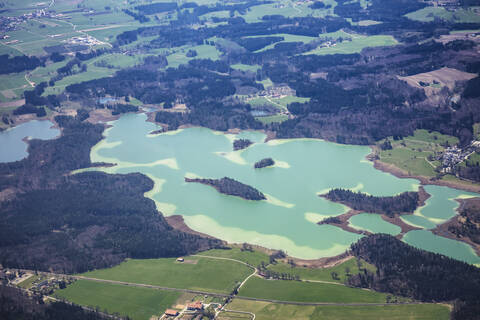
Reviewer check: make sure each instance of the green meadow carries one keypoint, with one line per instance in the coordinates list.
(196, 273)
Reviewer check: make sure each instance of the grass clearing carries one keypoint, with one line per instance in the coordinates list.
(203, 52)
(206, 274)
(476, 131)
(284, 290)
(137, 303)
(323, 274)
(246, 67)
(271, 119)
(357, 44)
(272, 311)
(459, 15)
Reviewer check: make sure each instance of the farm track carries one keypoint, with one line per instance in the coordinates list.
(222, 295)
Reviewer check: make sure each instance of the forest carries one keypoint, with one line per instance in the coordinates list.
(406, 271)
(16, 305)
(231, 187)
(74, 223)
(467, 223)
(18, 63)
(405, 202)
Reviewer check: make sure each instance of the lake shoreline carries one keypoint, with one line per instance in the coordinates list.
(442, 229)
(402, 174)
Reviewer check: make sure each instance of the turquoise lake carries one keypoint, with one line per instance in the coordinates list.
(287, 220)
(13, 147)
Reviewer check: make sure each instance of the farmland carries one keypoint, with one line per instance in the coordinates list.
(307, 292)
(272, 311)
(412, 153)
(196, 273)
(137, 303)
(253, 258)
(356, 44)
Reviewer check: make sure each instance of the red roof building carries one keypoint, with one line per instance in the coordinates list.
(171, 312)
(197, 305)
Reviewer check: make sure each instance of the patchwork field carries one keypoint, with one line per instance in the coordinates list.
(272, 311)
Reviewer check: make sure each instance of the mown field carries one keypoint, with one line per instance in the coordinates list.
(212, 275)
(253, 258)
(137, 303)
(272, 311)
(284, 290)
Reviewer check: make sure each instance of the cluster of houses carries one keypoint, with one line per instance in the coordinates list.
(192, 310)
(277, 92)
(453, 156)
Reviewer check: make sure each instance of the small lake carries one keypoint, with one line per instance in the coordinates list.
(287, 219)
(13, 147)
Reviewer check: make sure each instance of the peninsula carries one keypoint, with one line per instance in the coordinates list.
(231, 187)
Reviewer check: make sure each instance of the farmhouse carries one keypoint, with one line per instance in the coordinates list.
(171, 313)
(197, 305)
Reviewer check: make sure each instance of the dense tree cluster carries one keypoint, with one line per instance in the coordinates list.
(331, 220)
(231, 187)
(74, 223)
(15, 305)
(267, 162)
(406, 271)
(18, 63)
(468, 222)
(402, 203)
(240, 144)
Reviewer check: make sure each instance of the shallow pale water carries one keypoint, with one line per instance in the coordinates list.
(287, 219)
(12, 146)
(374, 223)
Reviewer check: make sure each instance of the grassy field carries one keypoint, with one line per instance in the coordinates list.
(203, 52)
(460, 15)
(196, 273)
(307, 292)
(137, 303)
(357, 44)
(245, 67)
(272, 311)
(411, 153)
(323, 274)
(287, 8)
(93, 72)
(287, 38)
(253, 258)
(28, 283)
(476, 131)
(271, 119)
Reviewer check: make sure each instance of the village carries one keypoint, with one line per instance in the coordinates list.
(454, 156)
